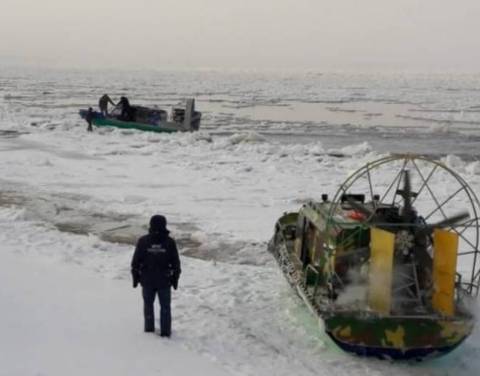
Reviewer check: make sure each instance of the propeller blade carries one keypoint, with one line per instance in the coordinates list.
(460, 217)
(447, 222)
(407, 194)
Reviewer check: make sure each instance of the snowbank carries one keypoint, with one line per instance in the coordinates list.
(64, 320)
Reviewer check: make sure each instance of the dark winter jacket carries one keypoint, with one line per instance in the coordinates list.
(104, 101)
(156, 262)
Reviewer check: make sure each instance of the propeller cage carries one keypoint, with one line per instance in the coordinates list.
(427, 216)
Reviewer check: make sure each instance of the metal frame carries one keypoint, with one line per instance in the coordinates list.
(470, 247)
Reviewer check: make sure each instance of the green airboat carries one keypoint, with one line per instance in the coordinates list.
(390, 266)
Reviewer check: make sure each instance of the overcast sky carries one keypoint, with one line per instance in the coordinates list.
(415, 35)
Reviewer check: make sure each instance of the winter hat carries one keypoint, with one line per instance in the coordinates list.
(158, 223)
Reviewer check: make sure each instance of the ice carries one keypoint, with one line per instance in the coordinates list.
(72, 205)
(454, 162)
(357, 150)
(199, 236)
(473, 168)
(250, 137)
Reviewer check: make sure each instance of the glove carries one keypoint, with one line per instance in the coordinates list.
(175, 283)
(174, 280)
(135, 278)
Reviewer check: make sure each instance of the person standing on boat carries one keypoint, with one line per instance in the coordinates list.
(156, 266)
(127, 110)
(103, 104)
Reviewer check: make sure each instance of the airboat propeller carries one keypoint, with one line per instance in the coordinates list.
(406, 219)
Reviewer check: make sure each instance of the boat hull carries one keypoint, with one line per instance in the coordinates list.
(163, 127)
(400, 338)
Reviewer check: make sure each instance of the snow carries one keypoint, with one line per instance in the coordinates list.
(238, 317)
(68, 308)
(473, 168)
(69, 321)
(139, 165)
(454, 162)
(72, 203)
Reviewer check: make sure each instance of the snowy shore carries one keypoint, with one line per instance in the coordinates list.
(64, 320)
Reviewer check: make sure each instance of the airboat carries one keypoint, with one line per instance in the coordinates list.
(151, 119)
(390, 265)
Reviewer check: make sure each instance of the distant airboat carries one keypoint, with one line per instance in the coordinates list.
(150, 119)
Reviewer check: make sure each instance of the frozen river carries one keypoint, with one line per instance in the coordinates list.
(269, 142)
(427, 114)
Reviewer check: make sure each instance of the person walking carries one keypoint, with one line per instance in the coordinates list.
(156, 266)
